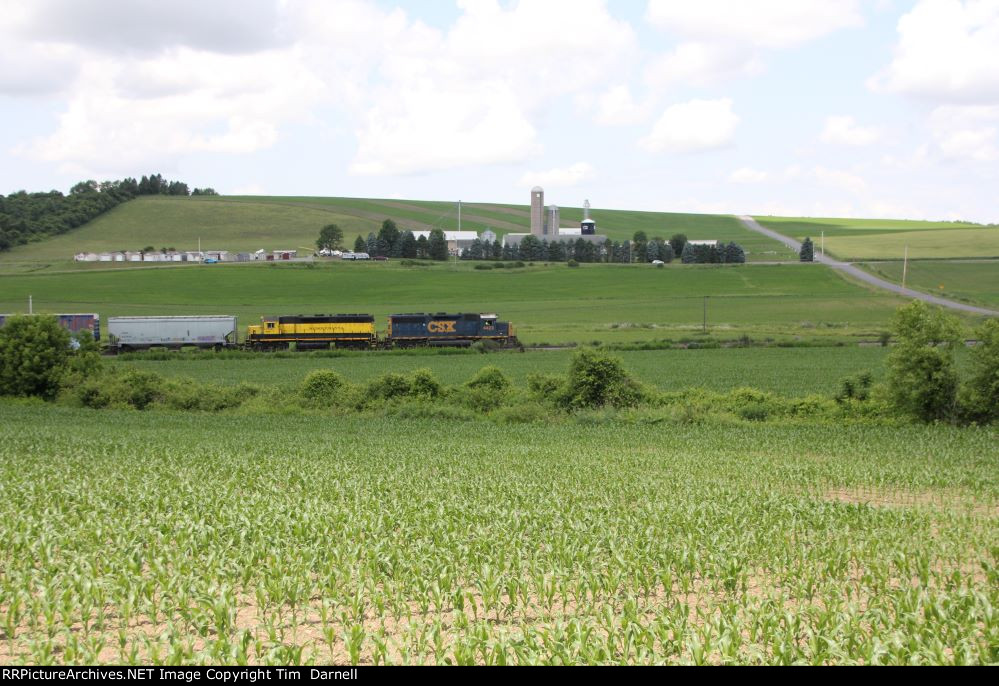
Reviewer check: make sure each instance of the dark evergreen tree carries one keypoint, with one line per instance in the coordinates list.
(474, 251)
(360, 245)
(408, 245)
(371, 245)
(437, 246)
(390, 234)
(734, 254)
(678, 242)
(807, 252)
(689, 255)
(422, 247)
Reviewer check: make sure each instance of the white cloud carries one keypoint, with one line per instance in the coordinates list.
(748, 175)
(762, 23)
(424, 128)
(156, 82)
(148, 26)
(233, 105)
(842, 180)
(693, 126)
(703, 62)
(725, 39)
(846, 131)
(947, 51)
(617, 107)
(565, 177)
(966, 133)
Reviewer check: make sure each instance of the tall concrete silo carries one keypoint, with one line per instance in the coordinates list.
(553, 220)
(538, 211)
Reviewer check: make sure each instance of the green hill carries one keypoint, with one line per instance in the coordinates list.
(252, 223)
(887, 239)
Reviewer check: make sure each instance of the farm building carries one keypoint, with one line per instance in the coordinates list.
(457, 241)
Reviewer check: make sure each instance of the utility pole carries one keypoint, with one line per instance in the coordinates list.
(905, 268)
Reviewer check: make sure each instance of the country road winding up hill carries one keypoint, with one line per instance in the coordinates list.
(861, 275)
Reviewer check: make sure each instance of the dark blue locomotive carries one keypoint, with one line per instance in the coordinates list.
(449, 330)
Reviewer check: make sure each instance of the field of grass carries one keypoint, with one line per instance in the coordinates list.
(247, 224)
(546, 304)
(184, 539)
(971, 282)
(786, 371)
(872, 239)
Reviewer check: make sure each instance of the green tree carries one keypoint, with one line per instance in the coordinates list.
(360, 245)
(980, 396)
(408, 246)
(807, 252)
(678, 242)
(330, 237)
(922, 381)
(390, 234)
(34, 353)
(437, 246)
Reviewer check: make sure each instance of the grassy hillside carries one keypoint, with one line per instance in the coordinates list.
(252, 223)
(594, 302)
(871, 239)
(972, 282)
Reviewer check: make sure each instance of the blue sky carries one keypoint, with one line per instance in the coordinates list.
(877, 108)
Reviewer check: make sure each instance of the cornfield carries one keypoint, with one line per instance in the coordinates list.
(179, 539)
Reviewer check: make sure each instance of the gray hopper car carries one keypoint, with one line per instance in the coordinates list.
(142, 333)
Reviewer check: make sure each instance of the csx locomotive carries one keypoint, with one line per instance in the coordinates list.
(358, 331)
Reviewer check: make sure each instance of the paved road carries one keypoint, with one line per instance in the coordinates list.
(860, 274)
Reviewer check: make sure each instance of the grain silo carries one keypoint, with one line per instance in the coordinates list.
(538, 211)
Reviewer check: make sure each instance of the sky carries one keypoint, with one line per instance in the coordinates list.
(828, 108)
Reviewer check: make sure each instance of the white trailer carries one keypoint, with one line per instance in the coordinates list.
(142, 333)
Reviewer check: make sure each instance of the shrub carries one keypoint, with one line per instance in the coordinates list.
(544, 386)
(479, 398)
(980, 396)
(922, 381)
(573, 264)
(595, 380)
(387, 387)
(422, 384)
(855, 388)
(322, 387)
(34, 352)
(484, 267)
(491, 378)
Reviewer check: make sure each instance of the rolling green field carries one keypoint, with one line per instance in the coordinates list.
(971, 282)
(546, 304)
(787, 371)
(871, 239)
(191, 539)
(251, 223)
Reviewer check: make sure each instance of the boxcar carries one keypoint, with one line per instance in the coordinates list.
(73, 323)
(448, 330)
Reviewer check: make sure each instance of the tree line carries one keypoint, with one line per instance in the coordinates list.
(390, 241)
(27, 217)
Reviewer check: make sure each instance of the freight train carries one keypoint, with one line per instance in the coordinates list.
(358, 331)
(302, 332)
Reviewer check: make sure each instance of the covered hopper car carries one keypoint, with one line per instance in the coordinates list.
(142, 333)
